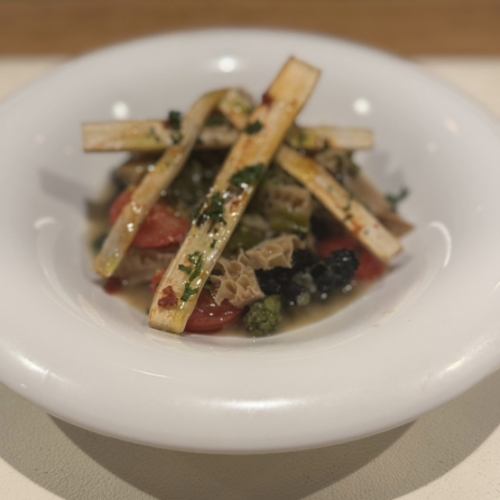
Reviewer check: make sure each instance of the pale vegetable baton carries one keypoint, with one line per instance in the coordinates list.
(149, 136)
(362, 224)
(230, 194)
(354, 216)
(149, 190)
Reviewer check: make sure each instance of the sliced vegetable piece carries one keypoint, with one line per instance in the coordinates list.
(209, 317)
(340, 138)
(354, 216)
(149, 190)
(209, 235)
(368, 194)
(130, 135)
(363, 189)
(148, 136)
(161, 227)
(237, 106)
(346, 138)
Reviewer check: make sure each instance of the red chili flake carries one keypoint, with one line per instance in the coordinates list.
(267, 98)
(113, 285)
(168, 299)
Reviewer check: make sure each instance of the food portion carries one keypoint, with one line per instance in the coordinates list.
(233, 215)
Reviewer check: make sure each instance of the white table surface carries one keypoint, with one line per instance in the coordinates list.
(451, 453)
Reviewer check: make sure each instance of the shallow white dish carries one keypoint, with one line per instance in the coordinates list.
(422, 335)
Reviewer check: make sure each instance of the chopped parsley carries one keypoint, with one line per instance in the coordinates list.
(189, 291)
(213, 211)
(395, 199)
(193, 272)
(254, 127)
(174, 120)
(248, 176)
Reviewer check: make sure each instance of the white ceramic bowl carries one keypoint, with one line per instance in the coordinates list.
(422, 335)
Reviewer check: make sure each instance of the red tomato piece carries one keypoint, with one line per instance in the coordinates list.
(209, 317)
(369, 268)
(113, 285)
(161, 227)
(326, 247)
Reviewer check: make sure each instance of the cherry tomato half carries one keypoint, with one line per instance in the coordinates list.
(369, 268)
(209, 317)
(161, 228)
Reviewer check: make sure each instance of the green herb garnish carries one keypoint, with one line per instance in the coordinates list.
(254, 127)
(248, 176)
(193, 272)
(395, 199)
(175, 119)
(189, 291)
(213, 211)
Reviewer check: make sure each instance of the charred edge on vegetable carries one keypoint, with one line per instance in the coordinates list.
(254, 127)
(213, 210)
